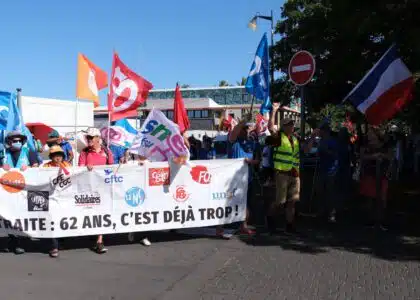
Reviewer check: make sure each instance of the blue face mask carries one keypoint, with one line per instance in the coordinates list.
(17, 145)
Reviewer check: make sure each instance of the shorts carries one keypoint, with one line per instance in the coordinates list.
(287, 188)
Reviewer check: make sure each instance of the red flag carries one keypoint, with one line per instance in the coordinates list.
(180, 114)
(262, 124)
(127, 91)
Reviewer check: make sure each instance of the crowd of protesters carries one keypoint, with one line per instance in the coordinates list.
(274, 163)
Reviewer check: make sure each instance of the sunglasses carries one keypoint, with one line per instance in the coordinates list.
(17, 141)
(89, 137)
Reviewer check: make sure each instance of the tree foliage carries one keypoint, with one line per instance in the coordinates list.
(346, 37)
(223, 83)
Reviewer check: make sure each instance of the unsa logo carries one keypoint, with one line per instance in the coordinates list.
(200, 174)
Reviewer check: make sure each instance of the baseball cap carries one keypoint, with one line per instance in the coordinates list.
(287, 121)
(53, 134)
(93, 132)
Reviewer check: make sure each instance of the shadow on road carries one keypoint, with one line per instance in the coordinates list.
(87, 242)
(385, 245)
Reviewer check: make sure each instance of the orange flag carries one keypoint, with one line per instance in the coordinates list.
(90, 79)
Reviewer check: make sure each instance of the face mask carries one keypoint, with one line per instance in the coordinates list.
(17, 145)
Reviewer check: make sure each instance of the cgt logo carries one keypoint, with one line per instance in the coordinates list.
(159, 176)
(181, 194)
(229, 195)
(135, 196)
(111, 177)
(200, 174)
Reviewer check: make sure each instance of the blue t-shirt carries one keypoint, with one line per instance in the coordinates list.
(67, 149)
(118, 152)
(244, 149)
(328, 154)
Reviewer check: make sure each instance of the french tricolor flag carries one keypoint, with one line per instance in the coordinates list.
(384, 90)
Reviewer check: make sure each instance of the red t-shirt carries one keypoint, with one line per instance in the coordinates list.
(93, 158)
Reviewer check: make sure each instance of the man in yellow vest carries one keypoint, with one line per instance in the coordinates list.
(286, 166)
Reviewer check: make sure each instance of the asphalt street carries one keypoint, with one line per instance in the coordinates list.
(353, 263)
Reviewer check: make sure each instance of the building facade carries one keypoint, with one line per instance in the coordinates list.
(205, 106)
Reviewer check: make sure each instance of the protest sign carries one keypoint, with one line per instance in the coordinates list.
(43, 203)
(159, 139)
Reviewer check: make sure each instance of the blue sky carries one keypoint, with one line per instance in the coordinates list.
(194, 42)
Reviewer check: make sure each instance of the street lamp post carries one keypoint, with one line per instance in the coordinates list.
(253, 25)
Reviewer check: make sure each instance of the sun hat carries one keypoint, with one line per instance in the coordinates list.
(16, 134)
(56, 149)
(93, 132)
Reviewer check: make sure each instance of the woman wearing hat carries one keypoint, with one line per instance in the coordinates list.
(95, 154)
(57, 161)
(17, 155)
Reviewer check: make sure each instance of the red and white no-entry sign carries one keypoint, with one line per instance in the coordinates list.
(301, 68)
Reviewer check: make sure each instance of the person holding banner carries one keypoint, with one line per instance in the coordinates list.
(95, 155)
(17, 155)
(243, 145)
(57, 156)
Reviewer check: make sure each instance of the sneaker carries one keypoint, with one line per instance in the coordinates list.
(146, 242)
(100, 248)
(54, 253)
(221, 234)
(19, 250)
(131, 237)
(246, 231)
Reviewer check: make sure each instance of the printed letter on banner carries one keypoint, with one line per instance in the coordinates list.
(127, 198)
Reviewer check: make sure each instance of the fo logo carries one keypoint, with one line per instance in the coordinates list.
(200, 174)
(12, 182)
(135, 196)
(181, 194)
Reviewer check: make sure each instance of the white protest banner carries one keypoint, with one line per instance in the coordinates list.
(43, 203)
(159, 139)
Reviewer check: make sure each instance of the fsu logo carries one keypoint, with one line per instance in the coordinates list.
(181, 194)
(200, 174)
(159, 176)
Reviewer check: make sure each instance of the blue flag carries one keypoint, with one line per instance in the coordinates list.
(258, 83)
(9, 112)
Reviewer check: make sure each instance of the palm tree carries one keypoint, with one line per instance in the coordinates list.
(223, 83)
(242, 82)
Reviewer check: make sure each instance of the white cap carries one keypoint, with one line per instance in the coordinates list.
(93, 132)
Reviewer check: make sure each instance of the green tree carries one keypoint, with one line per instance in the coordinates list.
(242, 82)
(223, 83)
(346, 37)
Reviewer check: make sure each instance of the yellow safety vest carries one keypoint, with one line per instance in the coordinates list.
(285, 156)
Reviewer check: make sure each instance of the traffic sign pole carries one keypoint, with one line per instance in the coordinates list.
(302, 121)
(301, 72)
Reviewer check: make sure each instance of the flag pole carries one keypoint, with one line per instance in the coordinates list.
(75, 159)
